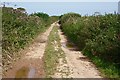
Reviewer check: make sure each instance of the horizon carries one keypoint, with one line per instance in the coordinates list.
(60, 8)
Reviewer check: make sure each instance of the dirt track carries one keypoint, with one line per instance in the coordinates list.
(31, 64)
(78, 66)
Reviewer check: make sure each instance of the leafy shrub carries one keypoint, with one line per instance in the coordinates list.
(70, 17)
(97, 35)
(44, 16)
(19, 29)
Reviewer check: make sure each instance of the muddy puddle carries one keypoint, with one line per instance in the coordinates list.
(68, 44)
(25, 72)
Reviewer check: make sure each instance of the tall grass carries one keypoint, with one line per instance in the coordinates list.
(98, 37)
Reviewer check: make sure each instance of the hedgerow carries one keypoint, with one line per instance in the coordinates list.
(96, 36)
(19, 29)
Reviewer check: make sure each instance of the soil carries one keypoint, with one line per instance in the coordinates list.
(31, 64)
(78, 65)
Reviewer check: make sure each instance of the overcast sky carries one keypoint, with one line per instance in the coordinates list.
(58, 8)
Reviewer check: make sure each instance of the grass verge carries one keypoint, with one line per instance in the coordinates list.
(52, 53)
(107, 69)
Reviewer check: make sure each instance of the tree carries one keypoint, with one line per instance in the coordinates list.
(21, 10)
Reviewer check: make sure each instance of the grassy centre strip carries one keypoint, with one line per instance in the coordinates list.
(53, 53)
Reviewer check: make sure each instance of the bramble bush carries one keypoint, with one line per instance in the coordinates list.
(97, 35)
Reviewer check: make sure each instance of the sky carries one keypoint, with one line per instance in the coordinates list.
(58, 8)
(60, 0)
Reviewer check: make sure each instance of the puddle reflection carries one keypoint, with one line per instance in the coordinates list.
(25, 72)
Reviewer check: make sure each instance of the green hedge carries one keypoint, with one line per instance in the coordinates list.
(19, 29)
(96, 36)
